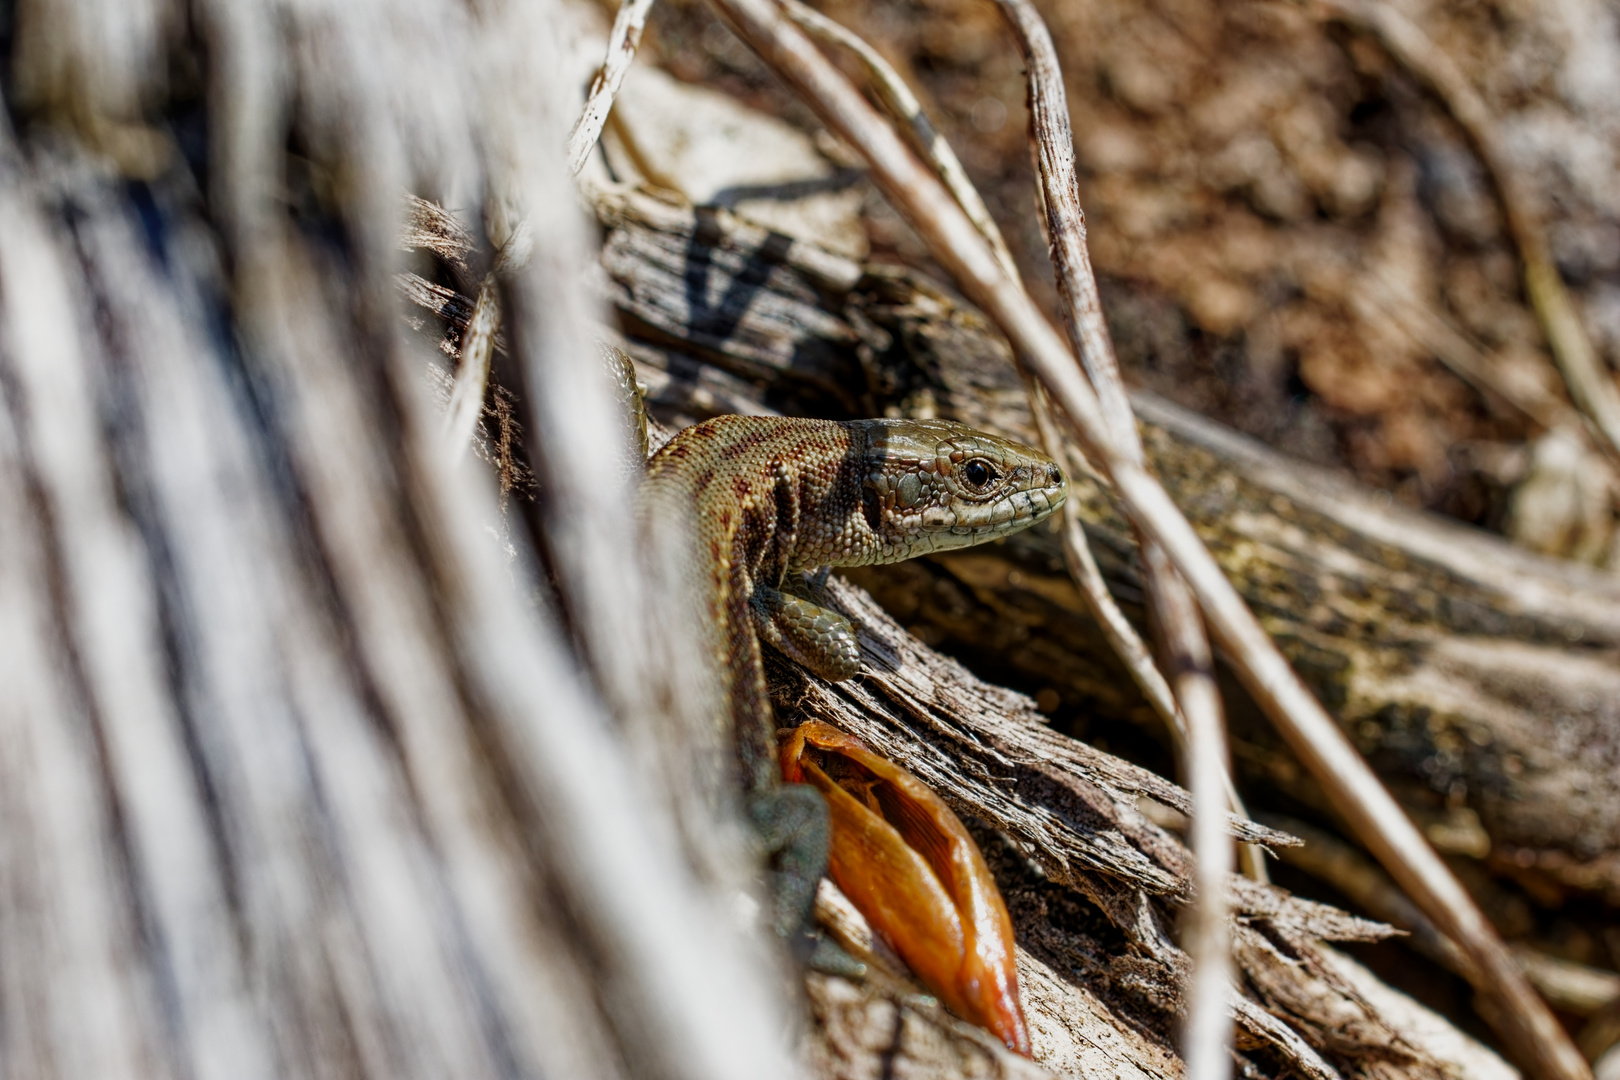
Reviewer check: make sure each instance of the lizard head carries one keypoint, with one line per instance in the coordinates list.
(933, 485)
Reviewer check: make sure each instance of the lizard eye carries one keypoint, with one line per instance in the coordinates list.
(979, 473)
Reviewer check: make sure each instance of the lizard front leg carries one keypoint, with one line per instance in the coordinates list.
(802, 630)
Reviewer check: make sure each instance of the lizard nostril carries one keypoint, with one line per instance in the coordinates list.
(1055, 473)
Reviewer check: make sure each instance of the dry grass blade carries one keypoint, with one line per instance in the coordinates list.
(478, 339)
(1208, 1031)
(1065, 222)
(1065, 227)
(1319, 742)
(1574, 988)
(1353, 789)
(901, 103)
(623, 41)
(1082, 566)
(1589, 384)
(472, 376)
(1186, 646)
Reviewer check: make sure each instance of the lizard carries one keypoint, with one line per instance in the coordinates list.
(768, 499)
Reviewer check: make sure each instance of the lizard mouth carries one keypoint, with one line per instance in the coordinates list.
(1029, 494)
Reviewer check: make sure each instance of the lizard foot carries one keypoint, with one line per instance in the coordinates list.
(795, 828)
(830, 958)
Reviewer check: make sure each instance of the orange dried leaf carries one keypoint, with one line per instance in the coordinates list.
(906, 861)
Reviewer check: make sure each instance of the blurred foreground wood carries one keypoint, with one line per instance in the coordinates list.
(299, 774)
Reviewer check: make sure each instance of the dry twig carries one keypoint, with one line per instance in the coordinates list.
(903, 105)
(1321, 745)
(623, 41)
(1484, 636)
(1185, 644)
(1574, 988)
(472, 374)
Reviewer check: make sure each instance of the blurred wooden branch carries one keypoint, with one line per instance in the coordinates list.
(623, 40)
(301, 775)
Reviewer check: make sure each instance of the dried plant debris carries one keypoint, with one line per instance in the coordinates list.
(1096, 888)
(1443, 650)
(442, 309)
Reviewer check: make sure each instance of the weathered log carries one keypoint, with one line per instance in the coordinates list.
(1098, 887)
(1071, 825)
(1471, 672)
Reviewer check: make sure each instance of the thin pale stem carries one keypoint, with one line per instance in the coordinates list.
(1207, 1037)
(1120, 634)
(901, 103)
(472, 376)
(1064, 222)
(623, 41)
(898, 99)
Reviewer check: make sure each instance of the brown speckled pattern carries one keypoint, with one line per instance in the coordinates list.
(773, 496)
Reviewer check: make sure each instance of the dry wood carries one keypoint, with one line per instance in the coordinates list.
(903, 105)
(1047, 95)
(1344, 776)
(301, 774)
(1443, 650)
(305, 773)
(1072, 810)
(623, 40)
(1184, 644)
(1573, 988)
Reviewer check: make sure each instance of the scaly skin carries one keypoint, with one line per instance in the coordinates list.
(773, 497)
